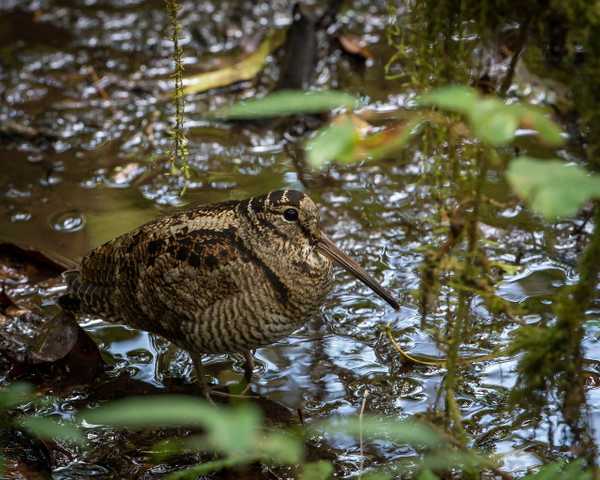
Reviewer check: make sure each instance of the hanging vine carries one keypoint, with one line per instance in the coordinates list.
(178, 155)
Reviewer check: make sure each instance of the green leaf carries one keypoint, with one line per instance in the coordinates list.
(168, 447)
(490, 119)
(50, 429)
(408, 432)
(14, 395)
(321, 470)
(551, 187)
(194, 472)
(550, 132)
(559, 470)
(334, 142)
(454, 98)
(252, 444)
(446, 459)
(281, 448)
(234, 431)
(493, 122)
(376, 476)
(552, 471)
(427, 474)
(290, 102)
(155, 411)
(575, 470)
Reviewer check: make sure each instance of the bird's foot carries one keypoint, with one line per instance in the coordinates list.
(207, 394)
(205, 388)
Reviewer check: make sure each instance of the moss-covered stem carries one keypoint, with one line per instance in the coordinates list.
(179, 152)
(460, 328)
(570, 310)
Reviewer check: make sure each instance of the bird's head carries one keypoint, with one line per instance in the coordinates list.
(286, 223)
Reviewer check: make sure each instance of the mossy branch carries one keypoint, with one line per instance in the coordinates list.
(178, 154)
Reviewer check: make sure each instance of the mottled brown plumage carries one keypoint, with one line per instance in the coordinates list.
(228, 277)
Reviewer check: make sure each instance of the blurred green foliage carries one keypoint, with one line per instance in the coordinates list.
(561, 470)
(491, 120)
(321, 470)
(238, 436)
(551, 188)
(235, 433)
(287, 103)
(334, 142)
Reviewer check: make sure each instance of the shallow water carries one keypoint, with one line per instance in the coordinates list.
(90, 76)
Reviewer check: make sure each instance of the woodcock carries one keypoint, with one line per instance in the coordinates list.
(228, 277)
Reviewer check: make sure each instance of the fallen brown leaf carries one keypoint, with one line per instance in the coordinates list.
(245, 68)
(355, 45)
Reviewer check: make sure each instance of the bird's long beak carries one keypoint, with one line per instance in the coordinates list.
(325, 245)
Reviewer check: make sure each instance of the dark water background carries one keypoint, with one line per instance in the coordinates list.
(90, 77)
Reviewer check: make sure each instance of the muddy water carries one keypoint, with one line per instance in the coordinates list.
(88, 80)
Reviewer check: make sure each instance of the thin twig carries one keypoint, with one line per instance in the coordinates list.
(360, 427)
(231, 395)
(396, 345)
(523, 31)
(442, 361)
(97, 82)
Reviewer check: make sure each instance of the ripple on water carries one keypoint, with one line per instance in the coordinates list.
(20, 216)
(67, 221)
(124, 175)
(540, 281)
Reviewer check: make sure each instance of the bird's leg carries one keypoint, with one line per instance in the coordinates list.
(248, 366)
(248, 369)
(200, 378)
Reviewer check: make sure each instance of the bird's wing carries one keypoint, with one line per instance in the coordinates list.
(160, 268)
(194, 270)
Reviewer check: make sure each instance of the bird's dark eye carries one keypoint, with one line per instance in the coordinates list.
(291, 214)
